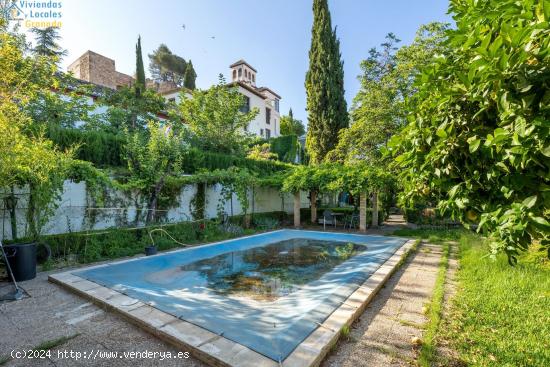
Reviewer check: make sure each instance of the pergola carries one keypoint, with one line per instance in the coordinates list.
(359, 180)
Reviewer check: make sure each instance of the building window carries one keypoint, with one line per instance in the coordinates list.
(234, 74)
(277, 105)
(245, 108)
(261, 132)
(240, 72)
(268, 116)
(267, 133)
(254, 78)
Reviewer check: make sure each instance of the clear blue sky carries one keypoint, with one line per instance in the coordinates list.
(273, 36)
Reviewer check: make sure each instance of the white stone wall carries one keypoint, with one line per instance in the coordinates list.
(75, 211)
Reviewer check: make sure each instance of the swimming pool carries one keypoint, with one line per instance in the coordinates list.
(267, 292)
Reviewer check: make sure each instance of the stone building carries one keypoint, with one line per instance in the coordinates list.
(98, 69)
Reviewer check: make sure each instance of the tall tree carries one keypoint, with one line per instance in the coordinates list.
(140, 70)
(326, 105)
(190, 76)
(166, 66)
(292, 126)
(153, 155)
(215, 119)
(47, 43)
(379, 108)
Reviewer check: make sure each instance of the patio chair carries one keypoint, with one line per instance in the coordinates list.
(351, 221)
(327, 218)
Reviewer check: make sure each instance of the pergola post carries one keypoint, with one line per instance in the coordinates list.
(313, 203)
(363, 212)
(297, 209)
(375, 210)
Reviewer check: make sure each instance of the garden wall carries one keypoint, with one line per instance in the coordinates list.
(77, 211)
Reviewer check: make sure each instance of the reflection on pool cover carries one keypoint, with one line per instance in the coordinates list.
(271, 271)
(267, 292)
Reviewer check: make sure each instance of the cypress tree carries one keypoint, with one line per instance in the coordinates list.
(140, 70)
(190, 76)
(326, 104)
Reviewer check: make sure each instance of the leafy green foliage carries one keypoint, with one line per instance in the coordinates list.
(190, 76)
(326, 104)
(215, 120)
(261, 152)
(291, 126)
(65, 109)
(87, 247)
(47, 43)
(379, 108)
(98, 147)
(286, 147)
(355, 179)
(152, 157)
(130, 109)
(27, 158)
(478, 137)
(165, 66)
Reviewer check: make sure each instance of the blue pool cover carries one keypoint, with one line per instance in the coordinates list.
(273, 328)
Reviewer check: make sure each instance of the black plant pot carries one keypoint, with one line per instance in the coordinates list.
(22, 259)
(150, 250)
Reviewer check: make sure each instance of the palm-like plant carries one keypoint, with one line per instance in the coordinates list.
(46, 43)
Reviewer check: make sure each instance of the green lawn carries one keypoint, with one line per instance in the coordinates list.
(500, 315)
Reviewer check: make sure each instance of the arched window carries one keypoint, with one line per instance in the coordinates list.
(254, 78)
(234, 74)
(240, 72)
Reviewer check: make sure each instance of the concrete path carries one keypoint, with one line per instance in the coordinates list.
(382, 336)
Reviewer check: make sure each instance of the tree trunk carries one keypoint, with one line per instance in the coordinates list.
(297, 210)
(313, 203)
(375, 210)
(32, 216)
(152, 207)
(363, 212)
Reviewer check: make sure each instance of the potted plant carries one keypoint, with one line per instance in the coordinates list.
(21, 257)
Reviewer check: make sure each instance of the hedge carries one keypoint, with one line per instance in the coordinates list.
(112, 243)
(99, 147)
(195, 160)
(106, 149)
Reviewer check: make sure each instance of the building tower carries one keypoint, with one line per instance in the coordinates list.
(243, 72)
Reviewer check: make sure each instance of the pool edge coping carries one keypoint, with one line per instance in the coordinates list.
(217, 350)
